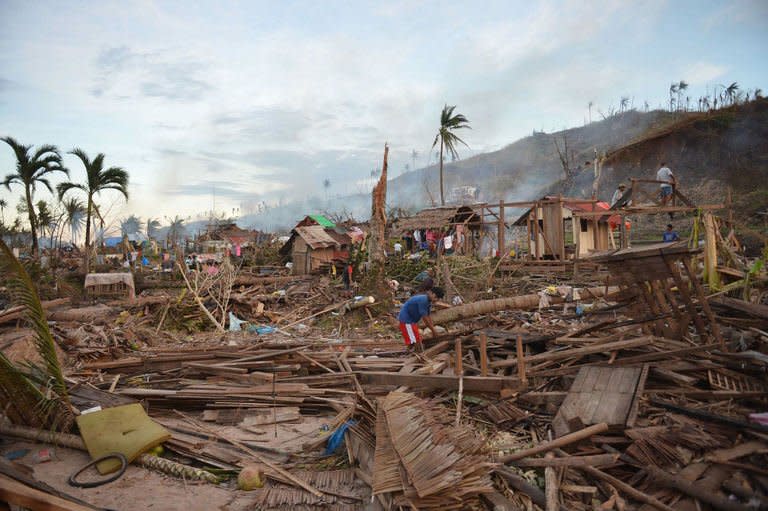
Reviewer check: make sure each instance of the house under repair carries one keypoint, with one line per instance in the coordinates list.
(228, 236)
(313, 248)
(555, 232)
(464, 223)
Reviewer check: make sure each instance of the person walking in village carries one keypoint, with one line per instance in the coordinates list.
(417, 308)
(398, 249)
(346, 276)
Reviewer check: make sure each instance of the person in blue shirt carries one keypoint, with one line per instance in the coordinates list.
(418, 307)
(670, 234)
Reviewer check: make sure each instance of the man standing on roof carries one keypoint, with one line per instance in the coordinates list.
(418, 307)
(668, 181)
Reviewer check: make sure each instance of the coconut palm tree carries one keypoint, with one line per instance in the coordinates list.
(74, 212)
(326, 186)
(448, 139)
(45, 220)
(624, 103)
(98, 179)
(672, 92)
(32, 169)
(131, 225)
(175, 230)
(152, 225)
(4, 204)
(731, 92)
(681, 87)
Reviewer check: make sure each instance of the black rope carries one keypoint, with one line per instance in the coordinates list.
(92, 484)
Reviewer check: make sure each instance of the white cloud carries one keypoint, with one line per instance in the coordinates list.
(702, 73)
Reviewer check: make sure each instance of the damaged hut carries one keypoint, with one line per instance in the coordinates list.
(462, 224)
(555, 232)
(314, 248)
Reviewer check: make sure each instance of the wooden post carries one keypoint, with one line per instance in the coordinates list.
(483, 354)
(501, 229)
(623, 233)
(551, 488)
(729, 205)
(699, 290)
(535, 212)
(711, 276)
(530, 235)
(521, 360)
(459, 368)
(577, 236)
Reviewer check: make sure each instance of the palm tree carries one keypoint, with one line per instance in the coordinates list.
(45, 220)
(448, 123)
(681, 87)
(152, 224)
(31, 170)
(4, 203)
(758, 93)
(131, 225)
(326, 186)
(98, 179)
(672, 92)
(731, 91)
(175, 230)
(74, 212)
(624, 103)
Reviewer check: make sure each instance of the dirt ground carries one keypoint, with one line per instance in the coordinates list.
(142, 489)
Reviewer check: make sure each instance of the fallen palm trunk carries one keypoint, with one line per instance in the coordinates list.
(75, 442)
(17, 312)
(531, 301)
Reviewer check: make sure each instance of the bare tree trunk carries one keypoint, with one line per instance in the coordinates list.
(32, 221)
(379, 216)
(442, 196)
(87, 251)
(374, 281)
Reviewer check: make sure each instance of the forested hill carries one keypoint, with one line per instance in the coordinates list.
(708, 151)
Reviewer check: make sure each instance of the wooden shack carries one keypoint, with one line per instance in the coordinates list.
(556, 233)
(313, 248)
(464, 222)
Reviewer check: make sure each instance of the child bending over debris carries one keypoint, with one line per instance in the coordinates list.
(418, 307)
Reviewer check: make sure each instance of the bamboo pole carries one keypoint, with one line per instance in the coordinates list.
(483, 354)
(521, 360)
(564, 440)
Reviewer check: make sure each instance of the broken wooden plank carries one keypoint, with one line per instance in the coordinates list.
(491, 384)
(570, 438)
(593, 460)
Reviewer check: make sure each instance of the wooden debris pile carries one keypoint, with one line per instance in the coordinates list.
(426, 461)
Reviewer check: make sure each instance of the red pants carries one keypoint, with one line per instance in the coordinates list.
(410, 333)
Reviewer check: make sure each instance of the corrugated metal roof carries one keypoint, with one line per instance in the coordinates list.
(321, 220)
(316, 237)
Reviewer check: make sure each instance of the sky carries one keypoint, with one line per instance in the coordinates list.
(220, 105)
